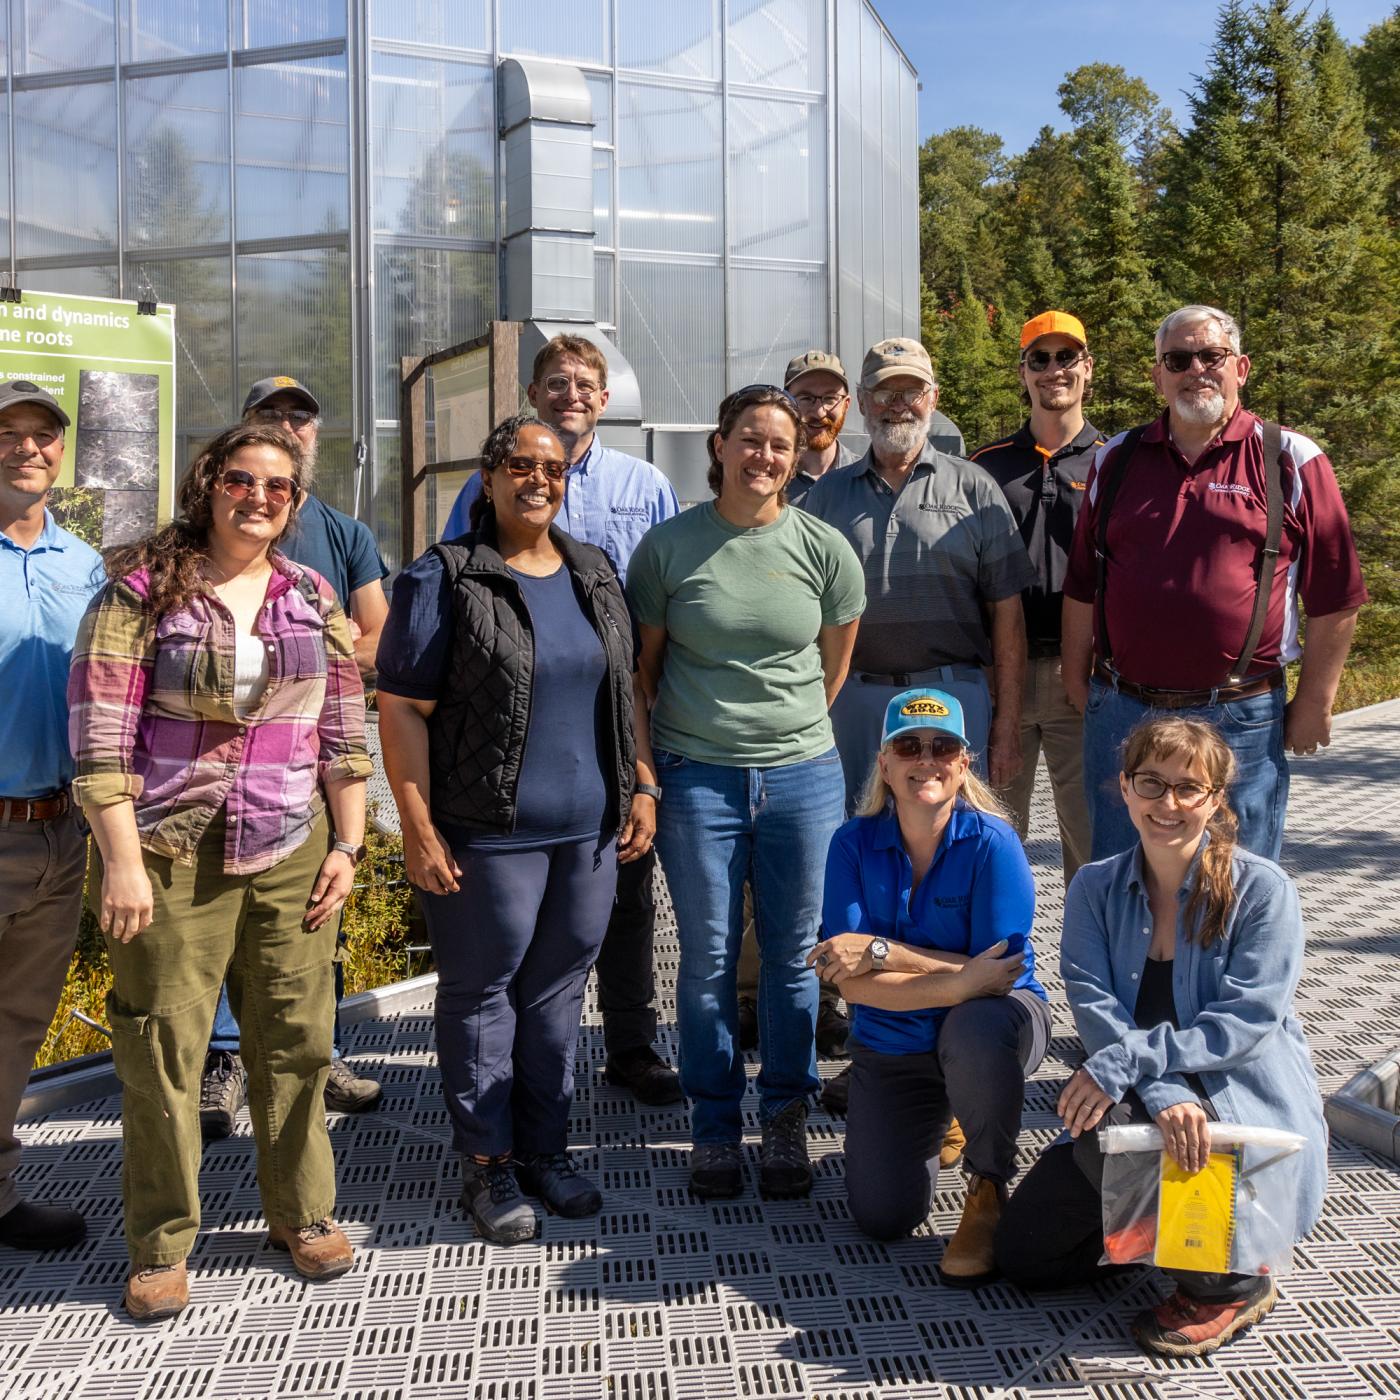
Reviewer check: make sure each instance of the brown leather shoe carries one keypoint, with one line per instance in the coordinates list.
(318, 1251)
(160, 1291)
(954, 1141)
(969, 1259)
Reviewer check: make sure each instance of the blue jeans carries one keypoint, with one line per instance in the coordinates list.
(718, 826)
(1253, 728)
(224, 1035)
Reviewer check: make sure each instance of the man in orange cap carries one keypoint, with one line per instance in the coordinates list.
(1041, 469)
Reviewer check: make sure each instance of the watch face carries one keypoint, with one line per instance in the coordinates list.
(879, 948)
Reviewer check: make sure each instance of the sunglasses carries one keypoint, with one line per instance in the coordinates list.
(914, 746)
(521, 467)
(1179, 361)
(297, 417)
(237, 485)
(1150, 787)
(761, 389)
(883, 398)
(1038, 360)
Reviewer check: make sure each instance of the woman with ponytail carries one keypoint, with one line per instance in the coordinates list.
(1180, 959)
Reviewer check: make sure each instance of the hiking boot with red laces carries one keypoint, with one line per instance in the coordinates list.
(1184, 1327)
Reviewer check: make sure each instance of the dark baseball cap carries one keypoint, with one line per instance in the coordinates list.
(17, 391)
(264, 389)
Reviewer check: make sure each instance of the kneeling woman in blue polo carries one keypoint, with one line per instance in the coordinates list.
(926, 921)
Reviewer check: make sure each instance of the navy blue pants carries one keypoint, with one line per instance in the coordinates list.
(513, 948)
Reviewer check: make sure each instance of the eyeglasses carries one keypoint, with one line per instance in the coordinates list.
(584, 389)
(238, 485)
(915, 746)
(1179, 361)
(522, 467)
(41, 440)
(826, 402)
(1065, 358)
(1150, 787)
(297, 417)
(883, 398)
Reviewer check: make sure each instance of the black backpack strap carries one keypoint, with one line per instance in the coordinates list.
(1268, 554)
(1108, 488)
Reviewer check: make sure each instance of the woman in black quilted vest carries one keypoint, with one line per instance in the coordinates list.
(516, 745)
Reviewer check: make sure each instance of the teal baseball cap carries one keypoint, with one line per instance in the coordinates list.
(924, 709)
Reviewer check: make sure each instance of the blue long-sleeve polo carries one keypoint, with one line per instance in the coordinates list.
(978, 890)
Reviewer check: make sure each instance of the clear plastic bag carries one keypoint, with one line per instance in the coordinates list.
(1234, 1216)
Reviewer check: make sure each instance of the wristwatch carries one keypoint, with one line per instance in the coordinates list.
(879, 951)
(356, 853)
(648, 790)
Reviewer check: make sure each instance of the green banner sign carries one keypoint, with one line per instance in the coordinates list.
(113, 370)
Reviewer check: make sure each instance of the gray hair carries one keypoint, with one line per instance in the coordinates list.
(1192, 315)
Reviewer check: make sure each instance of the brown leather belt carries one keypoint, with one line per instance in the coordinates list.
(34, 809)
(1189, 699)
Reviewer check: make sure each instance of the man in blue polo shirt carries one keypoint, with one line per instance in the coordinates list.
(610, 500)
(343, 551)
(47, 577)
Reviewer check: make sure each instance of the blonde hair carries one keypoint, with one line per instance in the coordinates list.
(876, 795)
(1213, 891)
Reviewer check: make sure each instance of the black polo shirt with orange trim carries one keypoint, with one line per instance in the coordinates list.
(1045, 491)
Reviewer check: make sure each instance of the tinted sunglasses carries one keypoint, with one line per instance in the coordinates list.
(238, 484)
(1212, 357)
(914, 745)
(522, 467)
(761, 389)
(297, 417)
(1037, 360)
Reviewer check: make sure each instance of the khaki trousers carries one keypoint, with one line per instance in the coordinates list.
(41, 898)
(165, 987)
(1050, 723)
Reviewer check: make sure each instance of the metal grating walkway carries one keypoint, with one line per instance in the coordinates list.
(662, 1298)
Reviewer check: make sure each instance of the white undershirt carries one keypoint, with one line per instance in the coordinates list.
(250, 673)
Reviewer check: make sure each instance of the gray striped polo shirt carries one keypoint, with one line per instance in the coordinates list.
(934, 555)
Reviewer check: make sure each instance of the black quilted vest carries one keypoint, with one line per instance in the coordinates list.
(476, 735)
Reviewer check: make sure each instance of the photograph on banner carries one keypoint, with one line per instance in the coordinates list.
(112, 370)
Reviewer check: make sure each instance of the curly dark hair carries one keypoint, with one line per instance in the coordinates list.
(496, 451)
(174, 556)
(755, 396)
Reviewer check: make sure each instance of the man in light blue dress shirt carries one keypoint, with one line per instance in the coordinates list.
(610, 500)
(47, 577)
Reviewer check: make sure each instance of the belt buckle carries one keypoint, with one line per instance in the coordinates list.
(29, 809)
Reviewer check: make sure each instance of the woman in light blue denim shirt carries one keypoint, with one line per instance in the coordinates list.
(1180, 959)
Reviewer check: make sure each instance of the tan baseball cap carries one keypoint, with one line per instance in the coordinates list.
(888, 358)
(810, 363)
(1054, 323)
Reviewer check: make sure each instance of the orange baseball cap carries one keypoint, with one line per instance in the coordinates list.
(1054, 323)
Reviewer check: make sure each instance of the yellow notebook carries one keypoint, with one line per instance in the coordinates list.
(1196, 1215)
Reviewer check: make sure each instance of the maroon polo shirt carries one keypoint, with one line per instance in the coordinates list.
(1182, 543)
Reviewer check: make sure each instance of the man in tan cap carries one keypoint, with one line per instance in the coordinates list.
(1042, 469)
(817, 382)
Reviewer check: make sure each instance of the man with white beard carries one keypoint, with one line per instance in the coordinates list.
(944, 568)
(1200, 534)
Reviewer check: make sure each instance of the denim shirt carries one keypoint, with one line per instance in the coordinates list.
(1234, 1001)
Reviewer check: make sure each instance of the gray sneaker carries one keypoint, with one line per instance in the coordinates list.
(784, 1169)
(223, 1090)
(498, 1210)
(347, 1092)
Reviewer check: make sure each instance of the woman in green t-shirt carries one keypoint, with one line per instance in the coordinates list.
(747, 611)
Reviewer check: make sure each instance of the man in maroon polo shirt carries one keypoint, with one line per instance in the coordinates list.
(1160, 610)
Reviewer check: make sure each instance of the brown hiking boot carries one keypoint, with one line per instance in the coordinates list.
(1183, 1327)
(954, 1141)
(969, 1259)
(159, 1291)
(318, 1251)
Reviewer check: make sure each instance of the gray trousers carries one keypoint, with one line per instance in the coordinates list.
(41, 896)
(901, 1106)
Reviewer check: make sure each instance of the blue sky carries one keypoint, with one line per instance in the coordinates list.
(996, 63)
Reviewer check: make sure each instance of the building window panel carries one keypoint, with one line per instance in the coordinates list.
(261, 23)
(53, 35)
(777, 179)
(291, 144)
(153, 30)
(600, 90)
(458, 24)
(679, 39)
(670, 328)
(671, 194)
(177, 160)
(97, 281)
(778, 43)
(604, 311)
(434, 138)
(66, 169)
(777, 314)
(602, 199)
(575, 30)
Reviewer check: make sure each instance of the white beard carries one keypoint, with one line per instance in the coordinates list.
(1201, 411)
(897, 439)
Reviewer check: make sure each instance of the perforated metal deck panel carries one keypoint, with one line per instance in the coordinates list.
(664, 1298)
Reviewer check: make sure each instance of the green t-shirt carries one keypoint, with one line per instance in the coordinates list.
(742, 679)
